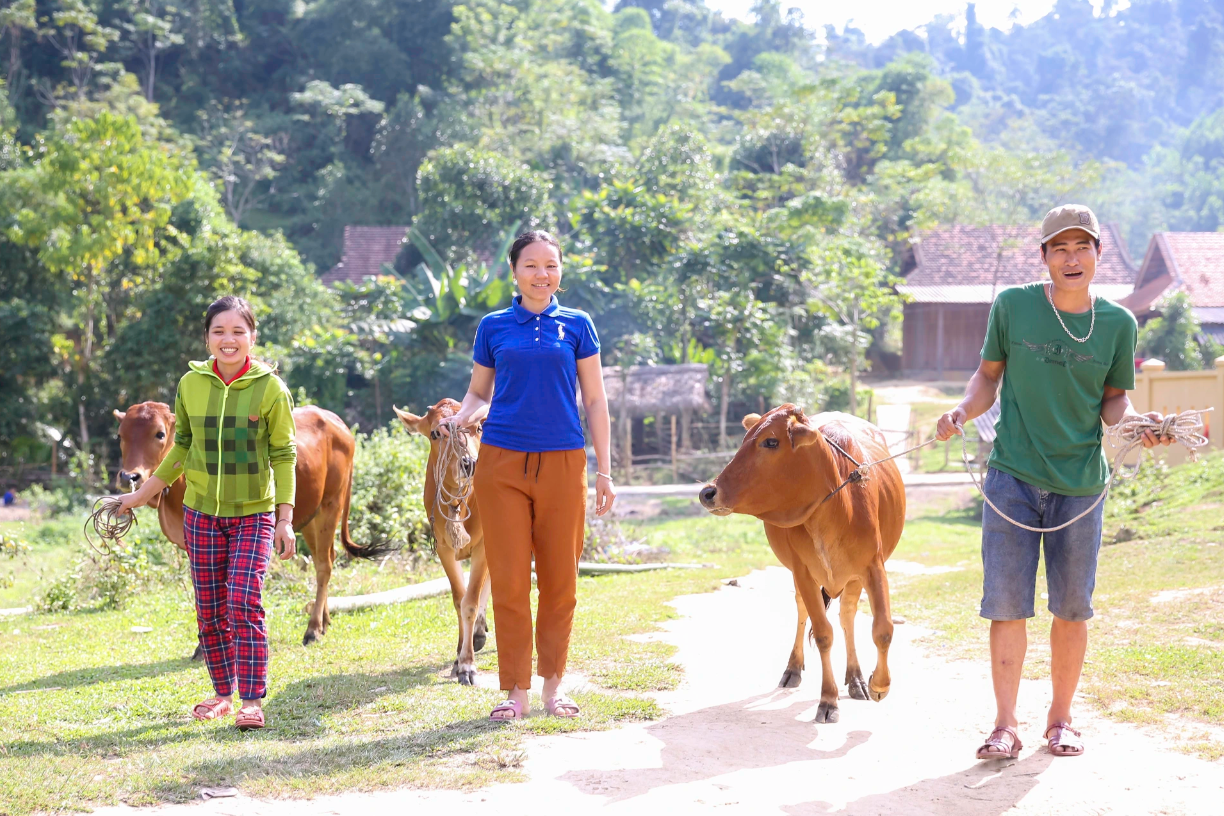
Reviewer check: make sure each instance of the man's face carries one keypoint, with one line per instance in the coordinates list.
(1072, 259)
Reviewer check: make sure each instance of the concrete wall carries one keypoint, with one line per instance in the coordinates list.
(1170, 392)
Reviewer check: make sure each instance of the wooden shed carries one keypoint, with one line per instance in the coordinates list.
(636, 392)
(957, 273)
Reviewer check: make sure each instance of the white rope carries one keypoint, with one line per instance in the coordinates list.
(453, 507)
(1185, 428)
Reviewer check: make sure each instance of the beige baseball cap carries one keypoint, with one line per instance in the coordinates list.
(1069, 216)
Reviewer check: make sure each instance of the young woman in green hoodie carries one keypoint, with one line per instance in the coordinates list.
(234, 443)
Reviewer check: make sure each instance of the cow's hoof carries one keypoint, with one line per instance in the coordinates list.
(479, 636)
(876, 694)
(467, 677)
(309, 638)
(198, 654)
(856, 686)
(791, 678)
(827, 713)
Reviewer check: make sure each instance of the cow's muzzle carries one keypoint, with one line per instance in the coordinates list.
(126, 479)
(709, 500)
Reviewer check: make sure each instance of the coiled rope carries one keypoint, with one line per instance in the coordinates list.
(1185, 428)
(453, 507)
(108, 525)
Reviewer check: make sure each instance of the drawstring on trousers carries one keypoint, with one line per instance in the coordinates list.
(526, 459)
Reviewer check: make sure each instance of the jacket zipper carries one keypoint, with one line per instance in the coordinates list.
(221, 443)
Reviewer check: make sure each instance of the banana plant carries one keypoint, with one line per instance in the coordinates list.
(443, 293)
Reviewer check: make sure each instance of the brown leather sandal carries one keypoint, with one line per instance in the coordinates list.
(1003, 743)
(211, 709)
(1060, 744)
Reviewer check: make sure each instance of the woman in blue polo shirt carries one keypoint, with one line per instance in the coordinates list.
(531, 479)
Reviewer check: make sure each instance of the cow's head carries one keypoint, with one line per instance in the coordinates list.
(146, 434)
(453, 464)
(771, 477)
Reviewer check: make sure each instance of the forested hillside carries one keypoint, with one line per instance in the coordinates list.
(1141, 86)
(740, 194)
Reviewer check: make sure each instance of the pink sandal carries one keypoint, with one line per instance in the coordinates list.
(1062, 745)
(562, 706)
(211, 709)
(1003, 743)
(249, 718)
(504, 712)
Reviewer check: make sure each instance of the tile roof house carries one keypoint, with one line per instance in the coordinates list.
(956, 274)
(1191, 262)
(366, 249)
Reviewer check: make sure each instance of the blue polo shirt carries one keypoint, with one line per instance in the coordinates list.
(535, 362)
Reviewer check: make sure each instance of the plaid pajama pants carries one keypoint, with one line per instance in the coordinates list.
(229, 558)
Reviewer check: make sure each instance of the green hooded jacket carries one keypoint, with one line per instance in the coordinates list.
(233, 441)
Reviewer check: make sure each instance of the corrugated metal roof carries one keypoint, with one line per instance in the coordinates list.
(1210, 314)
(985, 293)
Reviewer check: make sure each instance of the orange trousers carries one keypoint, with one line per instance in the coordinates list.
(532, 504)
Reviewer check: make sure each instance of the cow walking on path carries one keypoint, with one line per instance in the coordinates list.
(833, 531)
(454, 519)
(324, 485)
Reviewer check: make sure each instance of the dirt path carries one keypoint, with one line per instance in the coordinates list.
(736, 744)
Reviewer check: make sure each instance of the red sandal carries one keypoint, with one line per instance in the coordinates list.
(249, 718)
(1003, 743)
(212, 709)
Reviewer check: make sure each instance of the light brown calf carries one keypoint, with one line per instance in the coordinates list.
(456, 540)
(787, 473)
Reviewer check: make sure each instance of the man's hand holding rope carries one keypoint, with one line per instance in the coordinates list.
(952, 424)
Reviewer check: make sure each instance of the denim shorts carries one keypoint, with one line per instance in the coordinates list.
(1009, 554)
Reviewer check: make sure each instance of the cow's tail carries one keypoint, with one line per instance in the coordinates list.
(373, 550)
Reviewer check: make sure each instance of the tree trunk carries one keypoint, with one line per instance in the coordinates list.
(854, 370)
(722, 411)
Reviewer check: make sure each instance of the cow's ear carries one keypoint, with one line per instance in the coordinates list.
(119, 415)
(801, 434)
(411, 421)
(750, 421)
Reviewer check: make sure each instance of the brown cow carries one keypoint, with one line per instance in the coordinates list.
(787, 473)
(454, 541)
(324, 486)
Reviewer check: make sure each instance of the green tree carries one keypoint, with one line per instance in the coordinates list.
(470, 197)
(850, 283)
(90, 196)
(1177, 338)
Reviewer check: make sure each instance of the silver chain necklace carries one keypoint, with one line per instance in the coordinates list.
(1091, 306)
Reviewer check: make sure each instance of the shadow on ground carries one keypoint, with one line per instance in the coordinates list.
(984, 789)
(771, 730)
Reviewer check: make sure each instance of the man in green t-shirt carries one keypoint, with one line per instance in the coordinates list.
(1070, 358)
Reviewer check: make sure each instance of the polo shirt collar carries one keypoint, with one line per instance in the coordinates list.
(522, 315)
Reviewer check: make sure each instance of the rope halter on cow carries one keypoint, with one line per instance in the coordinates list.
(453, 507)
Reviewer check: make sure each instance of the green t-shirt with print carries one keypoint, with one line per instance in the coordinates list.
(1049, 427)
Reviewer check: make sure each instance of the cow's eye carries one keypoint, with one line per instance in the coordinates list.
(161, 434)
(770, 443)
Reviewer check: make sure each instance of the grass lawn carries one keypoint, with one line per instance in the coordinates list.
(93, 712)
(1156, 644)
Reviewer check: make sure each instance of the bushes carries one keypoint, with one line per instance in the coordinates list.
(388, 481)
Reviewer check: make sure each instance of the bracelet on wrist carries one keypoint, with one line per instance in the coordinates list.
(607, 476)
